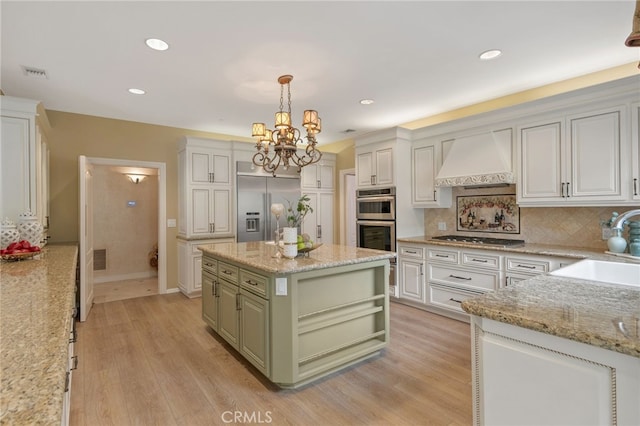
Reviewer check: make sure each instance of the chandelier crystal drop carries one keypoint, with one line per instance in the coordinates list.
(280, 146)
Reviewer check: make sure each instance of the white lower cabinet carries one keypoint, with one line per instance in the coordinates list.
(411, 266)
(439, 278)
(521, 376)
(190, 264)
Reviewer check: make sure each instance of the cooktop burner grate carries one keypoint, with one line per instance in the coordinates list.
(502, 242)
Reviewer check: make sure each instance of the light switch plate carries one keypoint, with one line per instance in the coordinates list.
(171, 223)
(281, 286)
(442, 226)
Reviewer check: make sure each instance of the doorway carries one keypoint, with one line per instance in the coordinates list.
(119, 187)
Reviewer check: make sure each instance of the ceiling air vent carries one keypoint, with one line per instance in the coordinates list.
(348, 131)
(34, 72)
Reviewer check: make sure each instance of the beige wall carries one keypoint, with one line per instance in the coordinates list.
(127, 233)
(73, 135)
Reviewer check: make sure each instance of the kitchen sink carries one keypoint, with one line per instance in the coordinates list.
(601, 271)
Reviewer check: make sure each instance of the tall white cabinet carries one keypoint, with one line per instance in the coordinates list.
(318, 182)
(205, 205)
(24, 157)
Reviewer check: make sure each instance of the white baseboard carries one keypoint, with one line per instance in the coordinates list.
(124, 277)
(173, 290)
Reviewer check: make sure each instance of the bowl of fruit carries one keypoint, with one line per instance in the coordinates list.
(305, 245)
(19, 250)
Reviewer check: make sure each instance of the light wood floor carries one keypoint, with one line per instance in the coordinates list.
(127, 289)
(152, 361)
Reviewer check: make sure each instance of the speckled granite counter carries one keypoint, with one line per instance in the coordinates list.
(537, 249)
(259, 255)
(579, 310)
(36, 300)
(583, 311)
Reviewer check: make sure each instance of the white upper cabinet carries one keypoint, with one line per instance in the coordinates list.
(24, 159)
(319, 175)
(382, 158)
(575, 159)
(210, 166)
(205, 189)
(374, 165)
(426, 159)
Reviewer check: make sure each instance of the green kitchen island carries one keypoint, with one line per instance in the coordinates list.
(297, 320)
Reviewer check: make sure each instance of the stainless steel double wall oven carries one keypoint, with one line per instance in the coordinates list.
(376, 221)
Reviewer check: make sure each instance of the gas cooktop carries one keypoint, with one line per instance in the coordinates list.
(497, 242)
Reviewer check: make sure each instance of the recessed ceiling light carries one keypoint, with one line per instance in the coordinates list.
(157, 44)
(137, 91)
(490, 54)
(366, 101)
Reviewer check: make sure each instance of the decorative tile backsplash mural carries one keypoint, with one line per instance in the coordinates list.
(488, 213)
(563, 226)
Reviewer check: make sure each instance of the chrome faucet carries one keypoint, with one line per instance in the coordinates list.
(618, 222)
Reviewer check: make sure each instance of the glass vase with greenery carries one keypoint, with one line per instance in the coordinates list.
(297, 212)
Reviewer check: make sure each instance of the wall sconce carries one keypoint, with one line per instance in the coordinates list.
(135, 178)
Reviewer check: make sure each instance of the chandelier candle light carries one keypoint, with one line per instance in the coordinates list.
(280, 146)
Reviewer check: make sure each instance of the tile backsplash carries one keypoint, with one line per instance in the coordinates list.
(564, 226)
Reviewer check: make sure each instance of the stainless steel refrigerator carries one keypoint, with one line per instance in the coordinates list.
(257, 190)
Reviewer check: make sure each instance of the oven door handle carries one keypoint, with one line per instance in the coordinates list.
(377, 198)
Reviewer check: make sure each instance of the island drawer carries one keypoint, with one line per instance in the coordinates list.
(458, 277)
(449, 298)
(254, 283)
(209, 265)
(528, 266)
(482, 260)
(228, 272)
(439, 255)
(410, 251)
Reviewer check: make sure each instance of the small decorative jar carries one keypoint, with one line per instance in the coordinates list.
(634, 238)
(617, 244)
(30, 229)
(8, 233)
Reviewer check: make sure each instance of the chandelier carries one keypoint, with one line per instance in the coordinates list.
(280, 146)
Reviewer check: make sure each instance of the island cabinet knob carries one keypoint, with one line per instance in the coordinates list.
(251, 282)
(460, 278)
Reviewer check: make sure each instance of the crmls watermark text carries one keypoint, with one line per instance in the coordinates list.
(246, 417)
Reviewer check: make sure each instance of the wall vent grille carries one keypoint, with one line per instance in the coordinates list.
(100, 260)
(35, 72)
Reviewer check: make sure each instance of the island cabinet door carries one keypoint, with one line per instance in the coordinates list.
(254, 330)
(210, 300)
(228, 306)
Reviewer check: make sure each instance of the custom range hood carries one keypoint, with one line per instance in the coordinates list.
(478, 161)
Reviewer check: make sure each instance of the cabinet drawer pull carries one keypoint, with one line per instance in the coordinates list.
(525, 266)
(238, 305)
(455, 300)
(562, 190)
(224, 271)
(460, 278)
(479, 260)
(635, 186)
(75, 362)
(74, 337)
(318, 184)
(411, 251)
(252, 282)
(568, 192)
(442, 255)
(208, 264)
(66, 381)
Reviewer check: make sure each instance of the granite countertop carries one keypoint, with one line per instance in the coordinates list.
(536, 249)
(259, 255)
(36, 301)
(585, 311)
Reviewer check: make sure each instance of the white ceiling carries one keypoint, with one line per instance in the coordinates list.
(415, 59)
